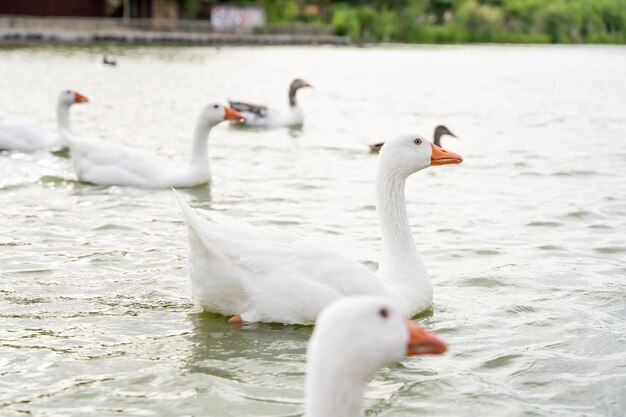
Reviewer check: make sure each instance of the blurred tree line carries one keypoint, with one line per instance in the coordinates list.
(459, 21)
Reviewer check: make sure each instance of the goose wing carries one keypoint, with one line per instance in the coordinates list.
(255, 109)
(271, 275)
(105, 163)
(21, 135)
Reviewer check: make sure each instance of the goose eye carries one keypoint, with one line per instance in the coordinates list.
(67, 91)
(383, 313)
(215, 106)
(417, 141)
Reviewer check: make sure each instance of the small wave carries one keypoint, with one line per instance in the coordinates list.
(53, 180)
(543, 224)
(610, 249)
(549, 247)
(32, 271)
(501, 361)
(448, 230)
(15, 244)
(486, 252)
(580, 214)
(27, 300)
(63, 153)
(366, 207)
(110, 226)
(520, 309)
(484, 282)
(599, 226)
(575, 173)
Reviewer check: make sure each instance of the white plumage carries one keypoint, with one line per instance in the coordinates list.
(353, 338)
(263, 274)
(23, 135)
(99, 162)
(262, 116)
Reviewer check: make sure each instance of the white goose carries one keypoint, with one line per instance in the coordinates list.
(262, 116)
(22, 135)
(104, 163)
(258, 274)
(353, 338)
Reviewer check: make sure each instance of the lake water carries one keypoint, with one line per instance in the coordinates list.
(525, 241)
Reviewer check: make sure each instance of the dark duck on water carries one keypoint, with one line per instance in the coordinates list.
(439, 132)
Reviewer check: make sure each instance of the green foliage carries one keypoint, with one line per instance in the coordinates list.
(280, 11)
(456, 21)
(346, 21)
(482, 22)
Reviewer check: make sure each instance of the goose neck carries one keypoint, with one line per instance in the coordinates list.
(200, 145)
(397, 239)
(333, 391)
(401, 266)
(63, 117)
(292, 97)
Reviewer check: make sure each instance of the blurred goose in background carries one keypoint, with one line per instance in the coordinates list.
(111, 62)
(269, 275)
(262, 116)
(99, 162)
(23, 135)
(353, 338)
(439, 132)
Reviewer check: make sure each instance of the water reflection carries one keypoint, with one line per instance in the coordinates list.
(214, 339)
(259, 365)
(201, 195)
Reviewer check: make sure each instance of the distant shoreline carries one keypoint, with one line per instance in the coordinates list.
(19, 29)
(169, 38)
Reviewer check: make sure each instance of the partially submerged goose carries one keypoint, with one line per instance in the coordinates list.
(99, 162)
(23, 135)
(353, 338)
(439, 132)
(262, 116)
(260, 274)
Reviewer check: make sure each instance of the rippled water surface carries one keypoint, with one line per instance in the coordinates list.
(525, 240)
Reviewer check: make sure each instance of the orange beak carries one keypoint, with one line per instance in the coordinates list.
(79, 98)
(443, 157)
(307, 85)
(231, 114)
(423, 343)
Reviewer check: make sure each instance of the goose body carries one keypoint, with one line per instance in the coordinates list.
(261, 116)
(99, 162)
(353, 338)
(439, 132)
(258, 274)
(111, 62)
(19, 134)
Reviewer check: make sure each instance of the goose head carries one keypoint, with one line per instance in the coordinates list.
(440, 131)
(295, 86)
(298, 84)
(215, 113)
(368, 332)
(408, 154)
(353, 338)
(69, 97)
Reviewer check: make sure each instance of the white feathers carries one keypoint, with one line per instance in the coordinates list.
(265, 274)
(274, 276)
(105, 163)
